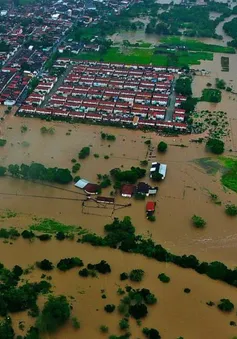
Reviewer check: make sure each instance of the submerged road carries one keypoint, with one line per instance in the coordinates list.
(171, 103)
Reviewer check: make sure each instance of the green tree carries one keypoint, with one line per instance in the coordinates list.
(217, 270)
(124, 324)
(183, 86)
(162, 147)
(225, 305)
(2, 171)
(231, 210)
(151, 333)
(198, 222)
(156, 176)
(164, 278)
(215, 146)
(220, 83)
(84, 152)
(138, 311)
(6, 329)
(55, 314)
(45, 265)
(14, 170)
(136, 275)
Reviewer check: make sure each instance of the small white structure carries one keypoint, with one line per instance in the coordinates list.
(81, 183)
(160, 168)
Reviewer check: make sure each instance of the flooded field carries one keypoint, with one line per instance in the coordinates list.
(184, 192)
(88, 306)
(185, 184)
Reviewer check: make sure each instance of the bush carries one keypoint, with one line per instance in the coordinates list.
(151, 333)
(220, 83)
(104, 329)
(45, 265)
(3, 142)
(211, 95)
(27, 234)
(102, 267)
(84, 152)
(164, 278)
(84, 273)
(2, 171)
(150, 299)
(162, 147)
(225, 305)
(55, 314)
(68, 263)
(124, 324)
(138, 311)
(76, 167)
(215, 146)
(124, 276)
(156, 176)
(231, 210)
(109, 308)
(136, 275)
(187, 290)
(75, 323)
(198, 222)
(60, 236)
(44, 237)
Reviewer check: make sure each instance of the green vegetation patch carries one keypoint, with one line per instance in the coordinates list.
(229, 178)
(195, 45)
(227, 166)
(53, 226)
(144, 56)
(211, 95)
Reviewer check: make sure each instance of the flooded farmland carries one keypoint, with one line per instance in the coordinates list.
(184, 192)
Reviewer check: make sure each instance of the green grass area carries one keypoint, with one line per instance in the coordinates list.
(52, 226)
(229, 179)
(227, 167)
(196, 45)
(145, 56)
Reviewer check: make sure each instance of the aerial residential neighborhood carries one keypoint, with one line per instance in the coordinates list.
(118, 169)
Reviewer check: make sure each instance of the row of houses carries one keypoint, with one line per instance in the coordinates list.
(31, 111)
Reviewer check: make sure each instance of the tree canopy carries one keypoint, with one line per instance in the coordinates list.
(55, 314)
(215, 146)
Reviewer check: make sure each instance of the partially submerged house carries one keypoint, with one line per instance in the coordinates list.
(150, 208)
(159, 168)
(145, 189)
(128, 190)
(88, 187)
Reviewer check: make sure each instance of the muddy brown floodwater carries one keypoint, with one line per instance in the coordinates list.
(184, 192)
(176, 313)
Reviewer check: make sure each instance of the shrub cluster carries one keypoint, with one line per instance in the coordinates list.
(37, 171)
(68, 263)
(121, 234)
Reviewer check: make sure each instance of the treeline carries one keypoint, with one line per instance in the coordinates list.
(121, 235)
(194, 20)
(37, 171)
(230, 29)
(128, 176)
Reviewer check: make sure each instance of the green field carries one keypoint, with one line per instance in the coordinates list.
(145, 56)
(229, 179)
(195, 45)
